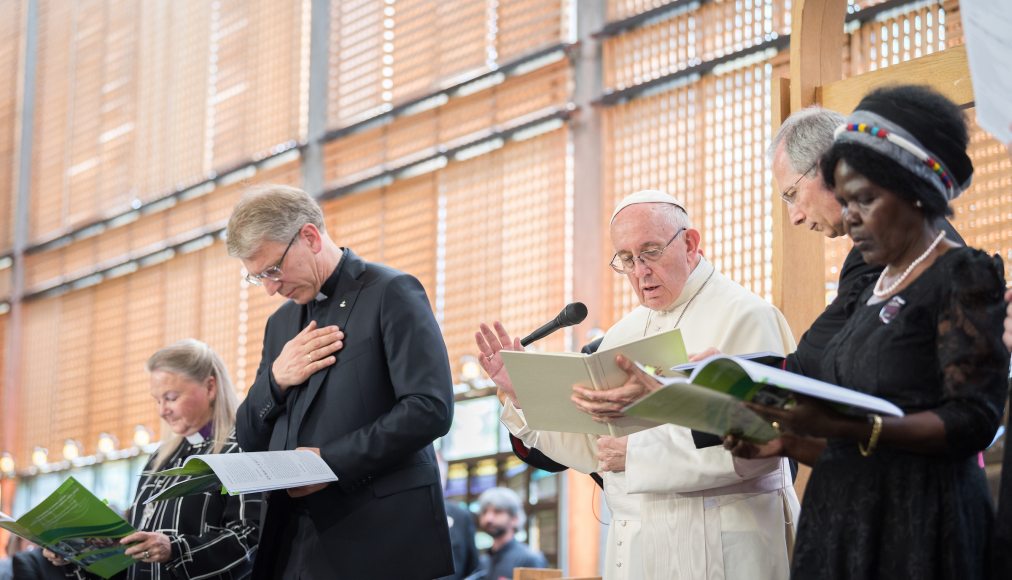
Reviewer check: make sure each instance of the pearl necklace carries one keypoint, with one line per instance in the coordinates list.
(882, 293)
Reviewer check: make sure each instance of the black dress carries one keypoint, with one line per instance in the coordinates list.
(855, 276)
(898, 514)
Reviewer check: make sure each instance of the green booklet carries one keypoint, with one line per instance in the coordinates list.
(75, 524)
(709, 399)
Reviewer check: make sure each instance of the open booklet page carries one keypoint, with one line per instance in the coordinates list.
(253, 472)
(544, 382)
(710, 398)
(75, 524)
(682, 403)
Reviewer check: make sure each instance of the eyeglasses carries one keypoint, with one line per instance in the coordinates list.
(789, 194)
(274, 272)
(626, 263)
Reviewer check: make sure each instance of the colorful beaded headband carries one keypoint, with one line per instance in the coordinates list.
(915, 150)
(876, 132)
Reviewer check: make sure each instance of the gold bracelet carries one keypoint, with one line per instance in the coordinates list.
(876, 430)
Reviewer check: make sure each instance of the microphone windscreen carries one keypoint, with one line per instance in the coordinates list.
(574, 313)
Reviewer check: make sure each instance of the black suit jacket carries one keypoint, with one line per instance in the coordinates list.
(462, 531)
(373, 415)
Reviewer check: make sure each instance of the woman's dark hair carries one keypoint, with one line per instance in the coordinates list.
(934, 120)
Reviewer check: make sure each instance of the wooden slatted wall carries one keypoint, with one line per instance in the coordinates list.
(84, 351)
(11, 41)
(135, 100)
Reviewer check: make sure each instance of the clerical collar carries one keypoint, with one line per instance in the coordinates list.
(330, 285)
(201, 435)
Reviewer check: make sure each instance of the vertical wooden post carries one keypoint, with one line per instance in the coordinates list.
(799, 265)
(580, 552)
(799, 287)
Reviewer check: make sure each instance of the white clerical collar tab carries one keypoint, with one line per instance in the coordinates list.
(195, 438)
(320, 297)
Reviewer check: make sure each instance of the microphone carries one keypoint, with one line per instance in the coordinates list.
(572, 314)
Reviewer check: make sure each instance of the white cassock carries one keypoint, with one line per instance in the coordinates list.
(679, 512)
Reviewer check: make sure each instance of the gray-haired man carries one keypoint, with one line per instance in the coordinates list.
(353, 367)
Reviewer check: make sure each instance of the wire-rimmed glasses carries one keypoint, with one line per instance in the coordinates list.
(625, 263)
(274, 272)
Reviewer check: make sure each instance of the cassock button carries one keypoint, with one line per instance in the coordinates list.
(618, 564)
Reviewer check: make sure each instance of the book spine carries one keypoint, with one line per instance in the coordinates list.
(596, 371)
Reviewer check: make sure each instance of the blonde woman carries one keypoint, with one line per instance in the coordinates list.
(207, 535)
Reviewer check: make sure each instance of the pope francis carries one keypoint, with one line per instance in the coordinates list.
(681, 509)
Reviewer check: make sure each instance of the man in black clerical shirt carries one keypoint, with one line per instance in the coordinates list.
(354, 368)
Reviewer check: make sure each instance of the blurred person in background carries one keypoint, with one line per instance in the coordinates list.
(501, 516)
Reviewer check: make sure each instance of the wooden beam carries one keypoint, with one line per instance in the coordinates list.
(799, 292)
(790, 284)
(947, 71)
(816, 41)
(799, 285)
(536, 573)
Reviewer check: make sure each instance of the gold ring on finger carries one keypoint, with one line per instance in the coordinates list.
(776, 426)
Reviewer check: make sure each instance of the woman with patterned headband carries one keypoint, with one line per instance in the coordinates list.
(903, 497)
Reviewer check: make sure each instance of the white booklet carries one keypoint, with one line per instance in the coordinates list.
(709, 399)
(254, 472)
(544, 382)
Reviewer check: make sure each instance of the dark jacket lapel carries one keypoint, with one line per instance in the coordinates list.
(335, 310)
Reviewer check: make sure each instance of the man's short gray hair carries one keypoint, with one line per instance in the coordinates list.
(505, 499)
(271, 213)
(806, 135)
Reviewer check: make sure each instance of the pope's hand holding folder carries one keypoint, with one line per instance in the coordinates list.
(544, 382)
